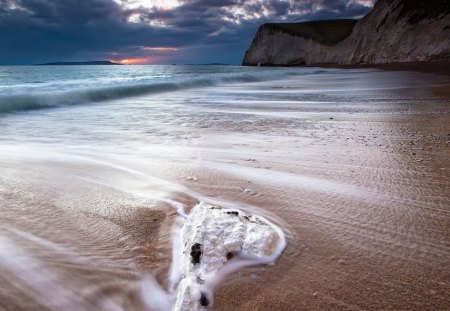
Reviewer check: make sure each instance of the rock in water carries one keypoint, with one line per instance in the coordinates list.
(218, 241)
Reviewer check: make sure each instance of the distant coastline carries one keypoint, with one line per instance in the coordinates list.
(96, 62)
(109, 63)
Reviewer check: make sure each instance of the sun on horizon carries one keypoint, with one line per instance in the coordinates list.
(132, 61)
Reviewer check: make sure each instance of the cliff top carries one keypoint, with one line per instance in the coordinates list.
(326, 32)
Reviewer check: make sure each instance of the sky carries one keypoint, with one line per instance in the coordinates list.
(149, 31)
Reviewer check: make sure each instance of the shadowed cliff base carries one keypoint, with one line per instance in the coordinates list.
(395, 31)
(441, 68)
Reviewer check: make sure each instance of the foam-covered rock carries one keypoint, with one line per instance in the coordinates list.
(217, 241)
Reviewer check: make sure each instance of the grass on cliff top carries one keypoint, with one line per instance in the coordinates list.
(327, 32)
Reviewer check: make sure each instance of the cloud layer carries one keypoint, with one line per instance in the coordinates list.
(150, 31)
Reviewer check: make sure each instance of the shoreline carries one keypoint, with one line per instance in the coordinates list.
(441, 68)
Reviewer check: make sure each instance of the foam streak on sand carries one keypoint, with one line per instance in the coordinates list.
(38, 278)
(210, 244)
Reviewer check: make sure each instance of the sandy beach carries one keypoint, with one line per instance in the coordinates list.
(363, 190)
(352, 164)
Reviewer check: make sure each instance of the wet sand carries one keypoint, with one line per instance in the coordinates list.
(356, 170)
(384, 247)
(365, 193)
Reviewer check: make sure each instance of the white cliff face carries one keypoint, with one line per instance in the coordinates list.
(395, 31)
(390, 33)
(295, 44)
(277, 48)
(216, 242)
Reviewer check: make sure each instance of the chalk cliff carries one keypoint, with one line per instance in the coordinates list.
(395, 31)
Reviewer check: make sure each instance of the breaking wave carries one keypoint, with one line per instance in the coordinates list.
(30, 99)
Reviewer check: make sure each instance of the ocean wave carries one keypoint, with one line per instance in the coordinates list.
(30, 100)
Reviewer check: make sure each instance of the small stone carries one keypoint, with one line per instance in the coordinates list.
(203, 300)
(233, 213)
(196, 253)
(230, 255)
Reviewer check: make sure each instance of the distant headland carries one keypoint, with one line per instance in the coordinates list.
(395, 31)
(95, 62)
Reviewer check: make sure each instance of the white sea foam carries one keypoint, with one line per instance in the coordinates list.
(74, 90)
(40, 279)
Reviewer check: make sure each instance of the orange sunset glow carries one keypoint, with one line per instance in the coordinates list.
(149, 55)
(133, 61)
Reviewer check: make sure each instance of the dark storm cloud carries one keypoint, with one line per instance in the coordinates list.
(34, 31)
